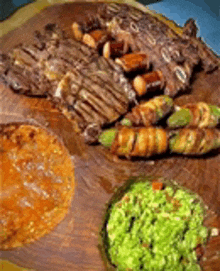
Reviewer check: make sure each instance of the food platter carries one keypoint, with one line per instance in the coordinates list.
(74, 244)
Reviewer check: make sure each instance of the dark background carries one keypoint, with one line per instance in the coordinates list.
(205, 12)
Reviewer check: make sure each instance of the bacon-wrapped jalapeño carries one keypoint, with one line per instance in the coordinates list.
(194, 141)
(129, 141)
(201, 115)
(150, 112)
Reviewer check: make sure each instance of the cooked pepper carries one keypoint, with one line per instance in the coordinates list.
(152, 111)
(201, 115)
(128, 141)
(194, 141)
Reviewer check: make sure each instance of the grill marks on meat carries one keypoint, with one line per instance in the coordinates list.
(92, 97)
(174, 54)
(92, 89)
(89, 89)
(84, 85)
(22, 73)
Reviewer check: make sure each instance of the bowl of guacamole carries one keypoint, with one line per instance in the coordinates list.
(154, 226)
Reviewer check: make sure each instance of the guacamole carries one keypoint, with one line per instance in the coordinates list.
(155, 229)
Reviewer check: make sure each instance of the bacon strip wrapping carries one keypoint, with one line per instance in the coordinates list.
(194, 141)
(201, 115)
(142, 142)
(150, 112)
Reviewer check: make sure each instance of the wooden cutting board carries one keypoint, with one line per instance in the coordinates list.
(73, 245)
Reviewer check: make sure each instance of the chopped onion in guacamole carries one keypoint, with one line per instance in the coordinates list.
(155, 230)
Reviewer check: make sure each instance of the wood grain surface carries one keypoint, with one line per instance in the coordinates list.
(73, 245)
